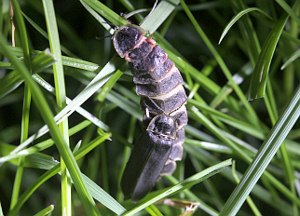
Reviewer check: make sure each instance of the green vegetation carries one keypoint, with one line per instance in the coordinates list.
(69, 113)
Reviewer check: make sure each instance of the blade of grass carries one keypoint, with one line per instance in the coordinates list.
(294, 56)
(153, 211)
(97, 192)
(60, 92)
(237, 18)
(130, 107)
(24, 43)
(286, 157)
(191, 196)
(46, 211)
(45, 111)
(97, 17)
(39, 146)
(104, 11)
(1, 212)
(236, 123)
(261, 193)
(264, 156)
(238, 151)
(87, 115)
(250, 202)
(221, 63)
(289, 11)
(13, 80)
(187, 183)
(260, 74)
(219, 134)
(159, 15)
(99, 80)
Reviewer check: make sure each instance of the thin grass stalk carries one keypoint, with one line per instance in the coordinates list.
(59, 81)
(24, 43)
(221, 63)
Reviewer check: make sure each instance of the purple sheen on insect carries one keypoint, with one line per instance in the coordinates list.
(126, 38)
(159, 83)
(163, 125)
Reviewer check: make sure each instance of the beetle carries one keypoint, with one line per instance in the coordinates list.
(159, 84)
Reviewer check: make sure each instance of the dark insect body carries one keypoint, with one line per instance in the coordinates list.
(159, 84)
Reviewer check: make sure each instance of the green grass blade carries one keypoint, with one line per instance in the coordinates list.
(99, 80)
(96, 121)
(43, 107)
(219, 134)
(187, 183)
(250, 202)
(264, 156)
(236, 123)
(46, 211)
(220, 61)
(9, 154)
(261, 70)
(24, 43)
(105, 11)
(13, 80)
(60, 93)
(159, 15)
(291, 59)
(1, 211)
(103, 197)
(22, 33)
(289, 10)
(237, 17)
(97, 192)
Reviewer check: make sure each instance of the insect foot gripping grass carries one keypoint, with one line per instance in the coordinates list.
(163, 99)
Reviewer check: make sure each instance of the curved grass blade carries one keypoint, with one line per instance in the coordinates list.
(291, 59)
(238, 17)
(261, 70)
(46, 211)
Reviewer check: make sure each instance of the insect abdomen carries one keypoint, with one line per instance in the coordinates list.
(159, 83)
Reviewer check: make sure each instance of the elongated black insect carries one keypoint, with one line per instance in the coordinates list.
(159, 83)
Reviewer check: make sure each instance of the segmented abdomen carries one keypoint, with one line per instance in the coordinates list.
(158, 82)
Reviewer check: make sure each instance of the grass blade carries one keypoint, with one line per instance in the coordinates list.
(48, 118)
(264, 156)
(237, 17)
(261, 70)
(187, 183)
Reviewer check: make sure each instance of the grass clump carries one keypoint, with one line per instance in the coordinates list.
(69, 113)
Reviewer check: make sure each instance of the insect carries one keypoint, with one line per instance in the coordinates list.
(159, 84)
